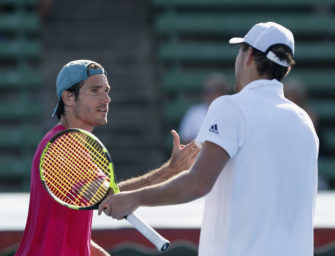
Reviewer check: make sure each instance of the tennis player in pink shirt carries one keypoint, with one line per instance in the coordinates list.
(83, 99)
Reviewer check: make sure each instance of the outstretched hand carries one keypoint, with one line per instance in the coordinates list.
(124, 203)
(182, 156)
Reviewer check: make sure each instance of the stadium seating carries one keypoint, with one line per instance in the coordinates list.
(192, 42)
(20, 81)
(16, 21)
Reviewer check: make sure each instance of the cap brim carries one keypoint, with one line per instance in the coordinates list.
(236, 40)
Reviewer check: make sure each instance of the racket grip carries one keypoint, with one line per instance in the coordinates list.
(160, 242)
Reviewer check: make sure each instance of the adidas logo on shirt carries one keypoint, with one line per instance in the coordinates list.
(214, 128)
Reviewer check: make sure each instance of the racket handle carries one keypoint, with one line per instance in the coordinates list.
(160, 242)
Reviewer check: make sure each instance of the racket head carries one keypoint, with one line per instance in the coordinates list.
(76, 169)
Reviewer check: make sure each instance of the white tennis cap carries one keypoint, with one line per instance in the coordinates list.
(263, 35)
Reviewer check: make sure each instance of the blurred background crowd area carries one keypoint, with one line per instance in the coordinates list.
(162, 57)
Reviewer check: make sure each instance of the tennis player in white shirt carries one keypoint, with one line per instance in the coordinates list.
(258, 161)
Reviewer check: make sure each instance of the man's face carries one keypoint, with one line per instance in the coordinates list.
(91, 107)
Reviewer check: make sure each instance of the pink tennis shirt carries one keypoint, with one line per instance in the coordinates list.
(53, 229)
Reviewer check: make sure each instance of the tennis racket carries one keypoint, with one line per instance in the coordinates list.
(77, 171)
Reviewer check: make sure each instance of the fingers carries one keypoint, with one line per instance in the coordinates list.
(190, 145)
(108, 211)
(115, 206)
(189, 153)
(103, 205)
(195, 148)
(176, 140)
(191, 148)
(184, 158)
(194, 154)
(106, 207)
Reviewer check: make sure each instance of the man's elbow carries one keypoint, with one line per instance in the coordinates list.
(202, 188)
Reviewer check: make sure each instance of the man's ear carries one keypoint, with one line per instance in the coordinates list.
(68, 98)
(249, 58)
(288, 71)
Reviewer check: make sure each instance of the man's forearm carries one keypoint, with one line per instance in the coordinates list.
(182, 158)
(180, 189)
(154, 177)
(184, 187)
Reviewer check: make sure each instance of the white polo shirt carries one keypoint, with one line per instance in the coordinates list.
(262, 203)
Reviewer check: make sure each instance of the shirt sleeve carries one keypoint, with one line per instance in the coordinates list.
(224, 126)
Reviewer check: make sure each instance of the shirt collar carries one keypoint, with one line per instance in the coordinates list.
(273, 84)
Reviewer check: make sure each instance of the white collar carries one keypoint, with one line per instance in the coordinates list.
(274, 83)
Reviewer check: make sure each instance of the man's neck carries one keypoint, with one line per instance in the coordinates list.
(248, 79)
(70, 123)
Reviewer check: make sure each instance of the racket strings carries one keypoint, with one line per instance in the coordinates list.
(92, 178)
(64, 188)
(52, 182)
(75, 156)
(69, 189)
(107, 163)
(99, 185)
(83, 192)
(98, 155)
(96, 151)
